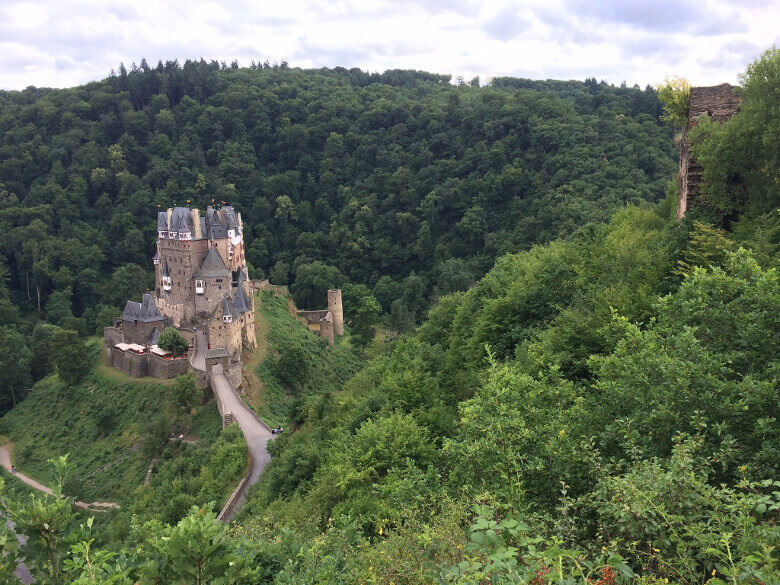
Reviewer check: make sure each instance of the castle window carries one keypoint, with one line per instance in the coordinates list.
(227, 318)
(167, 283)
(199, 288)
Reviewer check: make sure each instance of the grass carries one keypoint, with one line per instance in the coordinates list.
(103, 424)
(322, 369)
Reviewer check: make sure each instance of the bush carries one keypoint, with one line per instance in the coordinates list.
(172, 340)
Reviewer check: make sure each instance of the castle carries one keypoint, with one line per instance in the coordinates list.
(201, 288)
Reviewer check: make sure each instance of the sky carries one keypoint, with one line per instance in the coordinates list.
(62, 43)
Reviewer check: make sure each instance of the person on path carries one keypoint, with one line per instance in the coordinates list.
(13, 469)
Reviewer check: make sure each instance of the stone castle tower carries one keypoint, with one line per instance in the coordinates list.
(719, 103)
(201, 277)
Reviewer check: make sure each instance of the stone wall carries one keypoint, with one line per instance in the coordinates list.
(719, 103)
(159, 367)
(227, 335)
(266, 285)
(131, 363)
(112, 336)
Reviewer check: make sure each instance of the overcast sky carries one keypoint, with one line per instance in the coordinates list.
(61, 43)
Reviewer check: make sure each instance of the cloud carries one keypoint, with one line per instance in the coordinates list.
(68, 42)
(506, 24)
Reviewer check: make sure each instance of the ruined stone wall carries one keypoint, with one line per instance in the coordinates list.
(719, 103)
(233, 374)
(326, 331)
(266, 285)
(112, 336)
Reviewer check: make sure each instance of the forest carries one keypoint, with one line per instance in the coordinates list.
(558, 382)
(400, 182)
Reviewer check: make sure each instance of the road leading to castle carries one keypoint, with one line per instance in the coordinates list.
(256, 434)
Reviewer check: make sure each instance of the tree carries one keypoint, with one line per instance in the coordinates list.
(173, 341)
(675, 94)
(15, 359)
(185, 393)
(72, 357)
(365, 318)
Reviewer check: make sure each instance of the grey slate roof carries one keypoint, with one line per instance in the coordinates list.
(145, 311)
(156, 256)
(217, 353)
(242, 275)
(241, 301)
(181, 220)
(162, 221)
(227, 307)
(213, 266)
(165, 271)
(154, 337)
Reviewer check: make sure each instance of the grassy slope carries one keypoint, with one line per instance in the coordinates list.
(325, 368)
(101, 424)
(56, 419)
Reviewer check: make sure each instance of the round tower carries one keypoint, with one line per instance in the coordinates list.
(334, 306)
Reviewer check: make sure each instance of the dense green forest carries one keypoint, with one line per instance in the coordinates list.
(399, 182)
(596, 409)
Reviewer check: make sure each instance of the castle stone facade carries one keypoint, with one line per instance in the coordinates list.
(201, 284)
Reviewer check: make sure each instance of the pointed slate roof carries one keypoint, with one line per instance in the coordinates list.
(165, 271)
(227, 307)
(145, 311)
(162, 221)
(154, 337)
(181, 220)
(156, 256)
(241, 301)
(242, 275)
(213, 266)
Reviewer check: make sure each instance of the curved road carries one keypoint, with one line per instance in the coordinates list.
(256, 432)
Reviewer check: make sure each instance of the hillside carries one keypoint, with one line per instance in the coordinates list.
(599, 408)
(297, 366)
(402, 182)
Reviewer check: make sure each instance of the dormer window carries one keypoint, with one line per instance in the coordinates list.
(167, 283)
(227, 318)
(199, 287)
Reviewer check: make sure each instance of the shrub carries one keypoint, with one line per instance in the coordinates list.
(172, 340)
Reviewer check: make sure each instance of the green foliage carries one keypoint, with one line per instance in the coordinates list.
(675, 94)
(185, 393)
(741, 158)
(15, 363)
(173, 341)
(305, 366)
(72, 357)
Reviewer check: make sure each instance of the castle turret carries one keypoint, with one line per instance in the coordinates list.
(334, 306)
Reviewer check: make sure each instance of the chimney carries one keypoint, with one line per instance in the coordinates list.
(196, 231)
